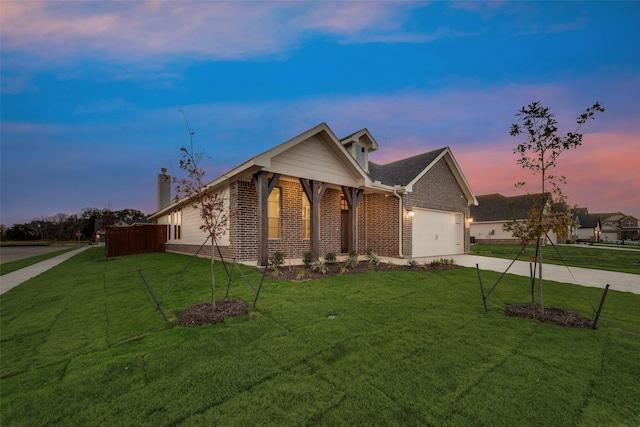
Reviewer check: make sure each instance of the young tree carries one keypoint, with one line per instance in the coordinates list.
(539, 153)
(211, 205)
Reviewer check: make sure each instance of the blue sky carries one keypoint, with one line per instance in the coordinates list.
(91, 90)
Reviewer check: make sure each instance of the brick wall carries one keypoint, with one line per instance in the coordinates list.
(438, 189)
(378, 224)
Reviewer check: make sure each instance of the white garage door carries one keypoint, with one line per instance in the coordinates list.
(437, 233)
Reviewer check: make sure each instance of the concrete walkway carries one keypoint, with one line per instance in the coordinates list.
(13, 279)
(623, 282)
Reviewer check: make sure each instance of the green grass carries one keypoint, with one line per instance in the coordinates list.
(626, 261)
(82, 344)
(12, 266)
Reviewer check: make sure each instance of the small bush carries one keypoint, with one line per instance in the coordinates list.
(277, 260)
(344, 269)
(308, 258)
(373, 258)
(301, 274)
(352, 260)
(275, 271)
(330, 258)
(391, 265)
(412, 263)
(319, 266)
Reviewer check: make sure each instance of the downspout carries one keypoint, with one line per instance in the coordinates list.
(400, 217)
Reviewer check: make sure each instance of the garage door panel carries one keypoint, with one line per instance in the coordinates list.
(437, 233)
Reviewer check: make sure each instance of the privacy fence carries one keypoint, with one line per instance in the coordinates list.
(137, 239)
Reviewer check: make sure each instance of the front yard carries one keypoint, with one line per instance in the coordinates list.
(83, 345)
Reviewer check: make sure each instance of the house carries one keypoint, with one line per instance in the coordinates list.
(586, 226)
(617, 226)
(322, 194)
(493, 211)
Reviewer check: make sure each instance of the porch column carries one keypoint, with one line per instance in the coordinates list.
(353, 196)
(314, 191)
(264, 186)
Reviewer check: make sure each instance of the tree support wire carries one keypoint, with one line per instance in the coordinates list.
(484, 298)
(604, 296)
(246, 279)
(158, 304)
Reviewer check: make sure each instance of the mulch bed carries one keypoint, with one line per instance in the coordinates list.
(201, 313)
(557, 316)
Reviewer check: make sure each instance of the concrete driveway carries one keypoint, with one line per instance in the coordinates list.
(623, 282)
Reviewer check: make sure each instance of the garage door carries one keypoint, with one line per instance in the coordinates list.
(437, 233)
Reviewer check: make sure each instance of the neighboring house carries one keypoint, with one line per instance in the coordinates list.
(494, 211)
(617, 226)
(131, 223)
(586, 226)
(319, 193)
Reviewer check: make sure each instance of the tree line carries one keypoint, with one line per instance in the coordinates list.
(64, 227)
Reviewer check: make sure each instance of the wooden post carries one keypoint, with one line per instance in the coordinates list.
(314, 191)
(264, 186)
(353, 196)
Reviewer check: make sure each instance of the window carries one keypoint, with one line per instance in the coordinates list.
(273, 213)
(177, 224)
(306, 217)
(174, 221)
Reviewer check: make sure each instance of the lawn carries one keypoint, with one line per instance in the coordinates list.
(82, 344)
(626, 261)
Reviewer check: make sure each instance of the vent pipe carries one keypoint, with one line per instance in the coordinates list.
(164, 189)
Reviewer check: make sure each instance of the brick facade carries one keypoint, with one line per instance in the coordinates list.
(377, 224)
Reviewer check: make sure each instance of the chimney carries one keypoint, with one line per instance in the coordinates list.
(164, 189)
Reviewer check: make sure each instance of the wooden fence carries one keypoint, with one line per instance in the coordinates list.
(137, 239)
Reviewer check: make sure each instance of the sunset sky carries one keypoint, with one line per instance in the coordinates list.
(91, 90)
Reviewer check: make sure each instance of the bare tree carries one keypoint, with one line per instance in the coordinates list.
(539, 153)
(210, 204)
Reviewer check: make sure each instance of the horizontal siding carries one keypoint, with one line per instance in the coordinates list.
(312, 159)
(191, 234)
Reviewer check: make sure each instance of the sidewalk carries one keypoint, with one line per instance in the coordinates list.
(623, 282)
(11, 280)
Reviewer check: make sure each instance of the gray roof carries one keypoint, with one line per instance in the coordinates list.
(496, 207)
(585, 219)
(402, 172)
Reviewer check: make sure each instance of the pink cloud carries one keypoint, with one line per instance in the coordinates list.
(602, 175)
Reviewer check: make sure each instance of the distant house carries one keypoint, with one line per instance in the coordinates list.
(322, 194)
(586, 226)
(495, 210)
(617, 226)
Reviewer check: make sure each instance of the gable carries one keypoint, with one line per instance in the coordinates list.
(314, 159)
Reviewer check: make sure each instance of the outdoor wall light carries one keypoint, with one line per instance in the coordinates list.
(411, 213)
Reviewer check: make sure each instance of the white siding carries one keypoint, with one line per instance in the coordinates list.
(191, 233)
(312, 159)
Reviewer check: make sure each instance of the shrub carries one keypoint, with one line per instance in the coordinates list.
(391, 265)
(330, 258)
(373, 258)
(352, 260)
(344, 269)
(319, 266)
(276, 271)
(308, 258)
(412, 263)
(277, 260)
(301, 274)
